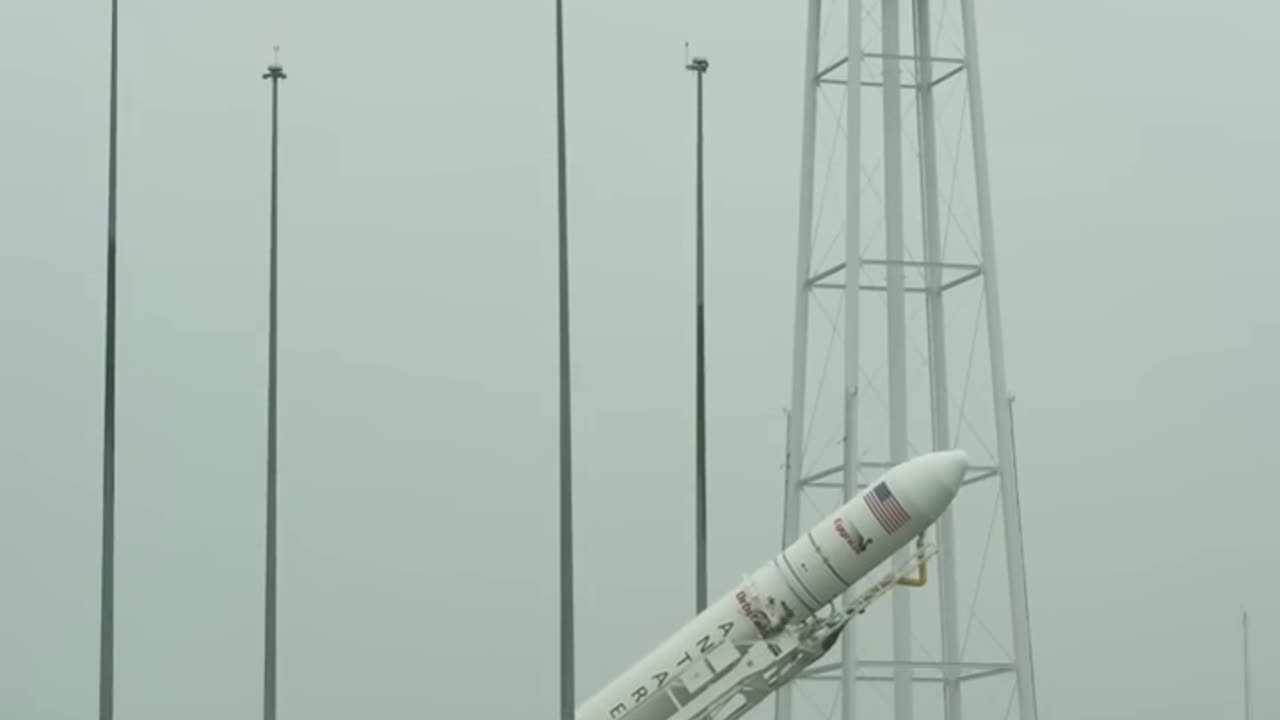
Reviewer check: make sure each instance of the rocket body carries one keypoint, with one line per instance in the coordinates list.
(805, 577)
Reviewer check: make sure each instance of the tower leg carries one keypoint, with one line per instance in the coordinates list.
(937, 352)
(853, 270)
(897, 327)
(800, 354)
(995, 337)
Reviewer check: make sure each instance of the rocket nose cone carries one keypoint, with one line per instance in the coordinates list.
(933, 479)
(952, 466)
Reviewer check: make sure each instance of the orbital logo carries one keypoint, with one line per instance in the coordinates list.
(852, 537)
(757, 617)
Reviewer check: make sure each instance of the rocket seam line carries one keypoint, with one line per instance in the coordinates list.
(799, 580)
(787, 581)
(825, 561)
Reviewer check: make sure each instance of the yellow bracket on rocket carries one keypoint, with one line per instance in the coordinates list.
(922, 567)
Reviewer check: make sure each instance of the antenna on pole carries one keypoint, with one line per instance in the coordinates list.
(275, 73)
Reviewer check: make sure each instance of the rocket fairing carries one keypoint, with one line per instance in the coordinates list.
(801, 580)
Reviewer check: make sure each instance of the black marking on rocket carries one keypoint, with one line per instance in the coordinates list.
(827, 562)
(800, 581)
(790, 586)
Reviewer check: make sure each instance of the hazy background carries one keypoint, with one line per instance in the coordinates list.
(1133, 152)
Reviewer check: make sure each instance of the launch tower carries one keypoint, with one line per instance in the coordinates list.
(899, 350)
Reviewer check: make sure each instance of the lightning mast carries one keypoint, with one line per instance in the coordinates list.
(275, 73)
(897, 256)
(106, 649)
(568, 701)
(699, 65)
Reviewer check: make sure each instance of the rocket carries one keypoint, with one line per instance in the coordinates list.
(783, 616)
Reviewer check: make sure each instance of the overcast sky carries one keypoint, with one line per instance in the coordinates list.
(1133, 150)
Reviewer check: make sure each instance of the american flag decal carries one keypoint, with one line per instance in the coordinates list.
(891, 515)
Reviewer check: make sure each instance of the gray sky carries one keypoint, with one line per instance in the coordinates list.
(1133, 157)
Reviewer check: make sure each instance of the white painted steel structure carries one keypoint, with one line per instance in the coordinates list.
(895, 84)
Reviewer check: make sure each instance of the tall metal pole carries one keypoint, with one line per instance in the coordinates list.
(106, 661)
(1248, 689)
(567, 701)
(699, 65)
(275, 72)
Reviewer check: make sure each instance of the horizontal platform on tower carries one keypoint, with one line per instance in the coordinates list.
(954, 66)
(952, 275)
(976, 473)
(925, 671)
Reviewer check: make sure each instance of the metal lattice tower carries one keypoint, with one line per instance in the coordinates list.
(893, 94)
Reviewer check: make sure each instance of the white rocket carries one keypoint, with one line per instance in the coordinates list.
(769, 628)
